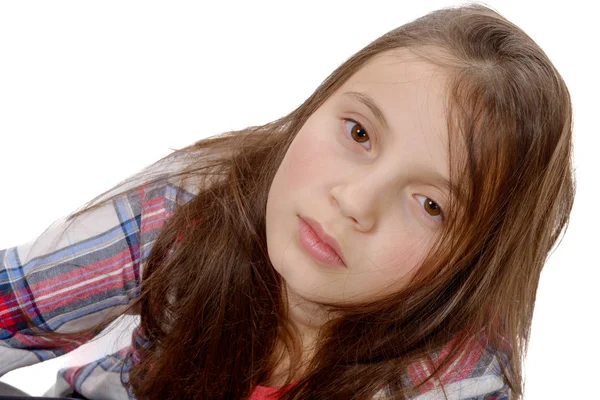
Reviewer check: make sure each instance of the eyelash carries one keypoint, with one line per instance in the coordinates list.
(441, 215)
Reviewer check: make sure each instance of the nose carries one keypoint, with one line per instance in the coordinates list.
(357, 205)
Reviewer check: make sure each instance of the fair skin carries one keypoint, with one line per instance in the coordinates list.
(369, 186)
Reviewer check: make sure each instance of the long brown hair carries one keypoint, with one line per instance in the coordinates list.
(212, 305)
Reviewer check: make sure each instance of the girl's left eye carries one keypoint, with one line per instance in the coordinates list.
(432, 209)
(356, 131)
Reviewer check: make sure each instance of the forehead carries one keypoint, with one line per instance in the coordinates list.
(403, 64)
(402, 76)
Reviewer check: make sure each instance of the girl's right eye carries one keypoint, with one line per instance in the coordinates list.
(355, 130)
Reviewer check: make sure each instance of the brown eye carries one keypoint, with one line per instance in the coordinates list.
(356, 131)
(431, 209)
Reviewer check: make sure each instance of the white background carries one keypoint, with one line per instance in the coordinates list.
(91, 92)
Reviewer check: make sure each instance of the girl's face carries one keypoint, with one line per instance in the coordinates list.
(372, 176)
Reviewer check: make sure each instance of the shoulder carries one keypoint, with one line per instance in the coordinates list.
(474, 373)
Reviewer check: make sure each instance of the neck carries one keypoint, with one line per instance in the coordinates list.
(281, 365)
(304, 314)
(307, 318)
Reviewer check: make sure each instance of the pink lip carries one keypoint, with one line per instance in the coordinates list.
(324, 237)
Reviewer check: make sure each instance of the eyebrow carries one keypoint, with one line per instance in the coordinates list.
(368, 101)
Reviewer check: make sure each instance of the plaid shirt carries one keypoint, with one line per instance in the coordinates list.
(72, 281)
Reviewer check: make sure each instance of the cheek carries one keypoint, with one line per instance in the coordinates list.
(309, 156)
(298, 172)
(398, 258)
(387, 267)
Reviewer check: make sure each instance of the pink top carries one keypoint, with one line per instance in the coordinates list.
(263, 392)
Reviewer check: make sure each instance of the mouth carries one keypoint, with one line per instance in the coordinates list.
(319, 243)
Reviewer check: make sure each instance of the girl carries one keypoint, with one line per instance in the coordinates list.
(383, 240)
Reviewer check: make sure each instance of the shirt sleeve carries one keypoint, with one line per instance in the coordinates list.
(102, 378)
(67, 280)
(475, 374)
